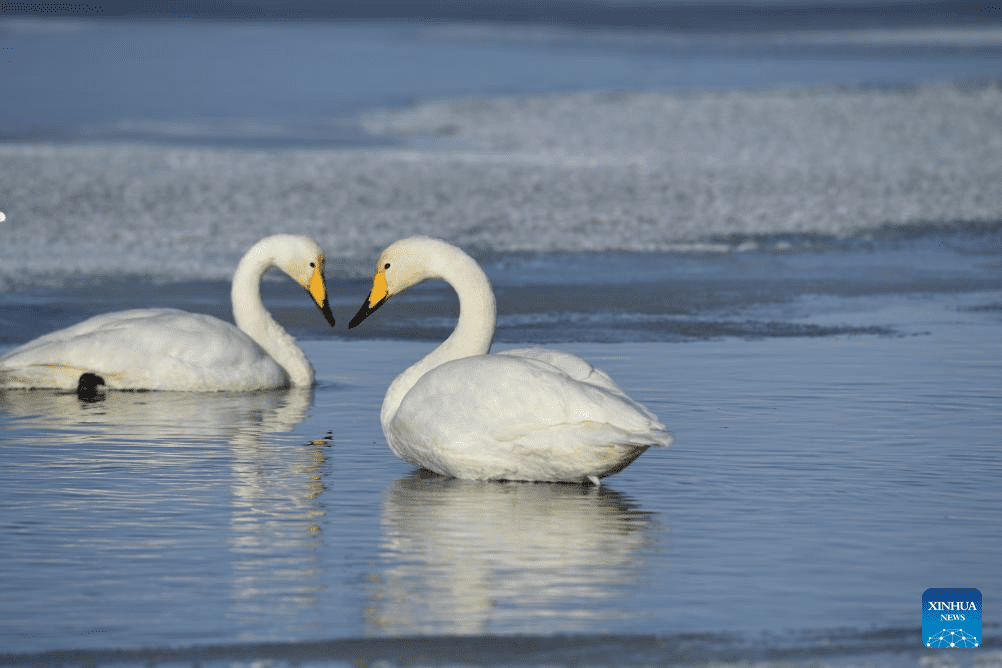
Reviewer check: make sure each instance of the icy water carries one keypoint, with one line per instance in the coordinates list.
(837, 453)
(785, 241)
(812, 482)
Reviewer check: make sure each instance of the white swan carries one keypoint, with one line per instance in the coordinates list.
(170, 349)
(531, 414)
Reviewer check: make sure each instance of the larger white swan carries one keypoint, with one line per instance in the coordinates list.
(170, 349)
(532, 414)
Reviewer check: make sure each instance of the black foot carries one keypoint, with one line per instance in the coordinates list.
(87, 387)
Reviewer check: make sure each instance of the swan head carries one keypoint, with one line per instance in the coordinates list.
(403, 265)
(302, 259)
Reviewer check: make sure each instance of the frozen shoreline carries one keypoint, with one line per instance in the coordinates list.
(572, 172)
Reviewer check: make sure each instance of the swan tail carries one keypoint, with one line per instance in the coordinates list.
(660, 438)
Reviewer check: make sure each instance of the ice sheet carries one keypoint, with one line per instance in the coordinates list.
(651, 171)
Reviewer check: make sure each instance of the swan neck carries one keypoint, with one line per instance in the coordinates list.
(474, 330)
(253, 318)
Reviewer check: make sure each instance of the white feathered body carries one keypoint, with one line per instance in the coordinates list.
(532, 414)
(170, 349)
(178, 349)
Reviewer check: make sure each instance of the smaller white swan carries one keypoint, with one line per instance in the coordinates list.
(170, 349)
(530, 414)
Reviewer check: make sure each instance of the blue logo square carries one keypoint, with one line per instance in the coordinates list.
(951, 618)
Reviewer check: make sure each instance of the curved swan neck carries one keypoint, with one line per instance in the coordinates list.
(477, 309)
(477, 318)
(254, 320)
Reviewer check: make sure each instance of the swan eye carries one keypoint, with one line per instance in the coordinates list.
(312, 264)
(386, 266)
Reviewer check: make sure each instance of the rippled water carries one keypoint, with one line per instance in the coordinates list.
(816, 483)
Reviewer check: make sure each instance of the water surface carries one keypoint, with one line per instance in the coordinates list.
(817, 482)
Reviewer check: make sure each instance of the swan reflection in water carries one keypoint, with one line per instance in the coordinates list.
(475, 557)
(196, 492)
(158, 416)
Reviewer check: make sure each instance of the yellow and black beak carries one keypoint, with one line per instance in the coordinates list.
(377, 297)
(318, 290)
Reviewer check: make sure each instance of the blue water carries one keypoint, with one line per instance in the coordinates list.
(284, 83)
(837, 454)
(817, 483)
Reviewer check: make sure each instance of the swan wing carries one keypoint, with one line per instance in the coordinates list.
(522, 416)
(578, 369)
(151, 349)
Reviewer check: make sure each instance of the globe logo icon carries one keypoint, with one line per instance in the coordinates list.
(951, 638)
